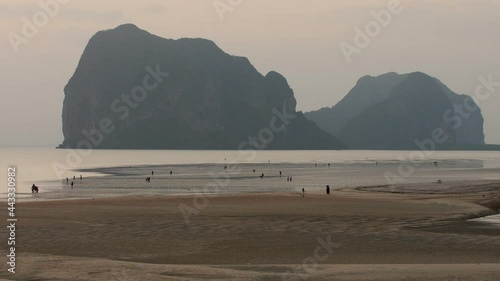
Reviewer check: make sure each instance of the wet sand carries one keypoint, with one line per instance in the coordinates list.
(381, 235)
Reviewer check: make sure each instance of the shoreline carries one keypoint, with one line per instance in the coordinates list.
(474, 188)
(486, 206)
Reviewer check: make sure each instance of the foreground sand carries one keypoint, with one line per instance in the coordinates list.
(71, 268)
(376, 236)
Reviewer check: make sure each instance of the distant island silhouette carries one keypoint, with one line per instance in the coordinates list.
(135, 90)
(407, 112)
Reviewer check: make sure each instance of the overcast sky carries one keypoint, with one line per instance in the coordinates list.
(454, 40)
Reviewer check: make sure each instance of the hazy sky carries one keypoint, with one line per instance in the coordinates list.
(454, 40)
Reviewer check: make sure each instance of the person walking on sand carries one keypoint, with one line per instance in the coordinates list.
(303, 192)
(328, 190)
(67, 180)
(72, 183)
(81, 178)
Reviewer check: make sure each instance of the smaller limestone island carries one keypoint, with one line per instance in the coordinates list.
(394, 111)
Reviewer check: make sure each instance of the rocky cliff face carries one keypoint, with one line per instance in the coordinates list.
(391, 111)
(132, 89)
(367, 92)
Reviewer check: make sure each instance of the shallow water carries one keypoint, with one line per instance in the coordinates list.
(494, 219)
(122, 172)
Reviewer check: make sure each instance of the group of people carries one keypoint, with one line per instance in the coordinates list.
(73, 181)
(148, 179)
(36, 189)
(289, 179)
(281, 174)
(327, 191)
